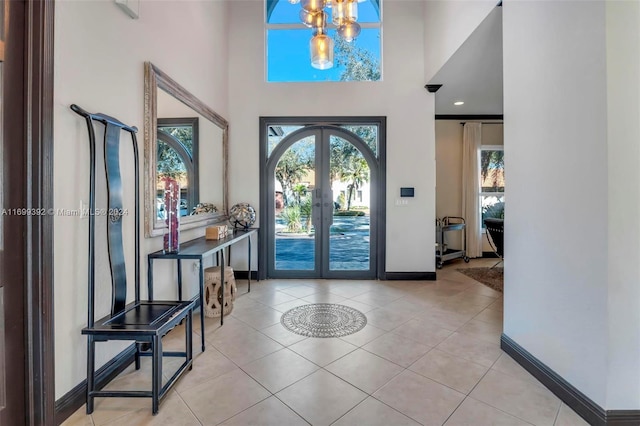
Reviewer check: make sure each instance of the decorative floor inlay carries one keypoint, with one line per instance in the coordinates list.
(323, 320)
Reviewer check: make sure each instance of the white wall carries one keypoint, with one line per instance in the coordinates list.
(401, 97)
(447, 24)
(99, 57)
(448, 168)
(623, 112)
(449, 172)
(571, 273)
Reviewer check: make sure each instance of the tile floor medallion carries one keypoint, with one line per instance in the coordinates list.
(323, 320)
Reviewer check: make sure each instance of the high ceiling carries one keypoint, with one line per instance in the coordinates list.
(474, 73)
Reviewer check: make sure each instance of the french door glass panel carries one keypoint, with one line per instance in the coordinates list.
(349, 234)
(367, 132)
(295, 245)
(277, 133)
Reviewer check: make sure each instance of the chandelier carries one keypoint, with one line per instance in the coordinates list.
(344, 14)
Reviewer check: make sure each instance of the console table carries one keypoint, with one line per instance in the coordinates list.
(198, 249)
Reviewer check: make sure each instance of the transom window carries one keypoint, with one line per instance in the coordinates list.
(368, 133)
(288, 45)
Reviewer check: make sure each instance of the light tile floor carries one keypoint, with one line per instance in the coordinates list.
(429, 355)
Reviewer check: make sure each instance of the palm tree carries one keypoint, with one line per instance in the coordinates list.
(290, 170)
(299, 190)
(341, 153)
(305, 211)
(492, 165)
(357, 175)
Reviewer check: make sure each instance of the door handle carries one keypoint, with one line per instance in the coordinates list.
(328, 210)
(316, 214)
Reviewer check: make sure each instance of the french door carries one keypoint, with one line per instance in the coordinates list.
(321, 196)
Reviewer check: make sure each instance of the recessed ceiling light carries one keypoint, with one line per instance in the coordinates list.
(458, 103)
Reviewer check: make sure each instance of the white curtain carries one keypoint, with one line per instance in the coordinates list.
(471, 141)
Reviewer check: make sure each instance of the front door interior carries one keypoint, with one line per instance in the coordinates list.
(322, 200)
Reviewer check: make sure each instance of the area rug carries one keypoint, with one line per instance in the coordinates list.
(323, 320)
(491, 277)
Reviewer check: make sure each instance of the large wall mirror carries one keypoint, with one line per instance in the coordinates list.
(186, 140)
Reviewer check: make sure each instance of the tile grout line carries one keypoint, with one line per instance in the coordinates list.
(490, 405)
(188, 407)
(555, 420)
(292, 409)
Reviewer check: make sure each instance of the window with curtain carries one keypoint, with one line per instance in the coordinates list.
(491, 169)
(288, 50)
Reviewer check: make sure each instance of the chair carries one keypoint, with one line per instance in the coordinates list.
(495, 230)
(142, 322)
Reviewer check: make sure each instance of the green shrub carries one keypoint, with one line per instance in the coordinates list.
(348, 213)
(305, 211)
(292, 218)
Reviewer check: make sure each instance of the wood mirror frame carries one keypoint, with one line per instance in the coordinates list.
(154, 80)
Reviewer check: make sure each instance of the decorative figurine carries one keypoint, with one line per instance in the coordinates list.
(242, 215)
(172, 203)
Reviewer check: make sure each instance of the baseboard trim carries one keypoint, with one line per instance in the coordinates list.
(244, 274)
(489, 255)
(576, 400)
(410, 276)
(469, 117)
(76, 397)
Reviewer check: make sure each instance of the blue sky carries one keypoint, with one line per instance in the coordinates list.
(288, 50)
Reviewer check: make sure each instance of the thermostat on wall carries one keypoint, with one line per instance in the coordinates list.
(406, 192)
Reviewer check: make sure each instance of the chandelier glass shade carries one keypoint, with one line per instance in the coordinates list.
(349, 31)
(339, 11)
(312, 5)
(321, 46)
(315, 20)
(344, 11)
(313, 14)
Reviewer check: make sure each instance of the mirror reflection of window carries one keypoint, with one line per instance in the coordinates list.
(177, 158)
(166, 99)
(170, 164)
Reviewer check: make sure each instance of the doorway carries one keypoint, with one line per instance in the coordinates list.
(322, 194)
(26, 223)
